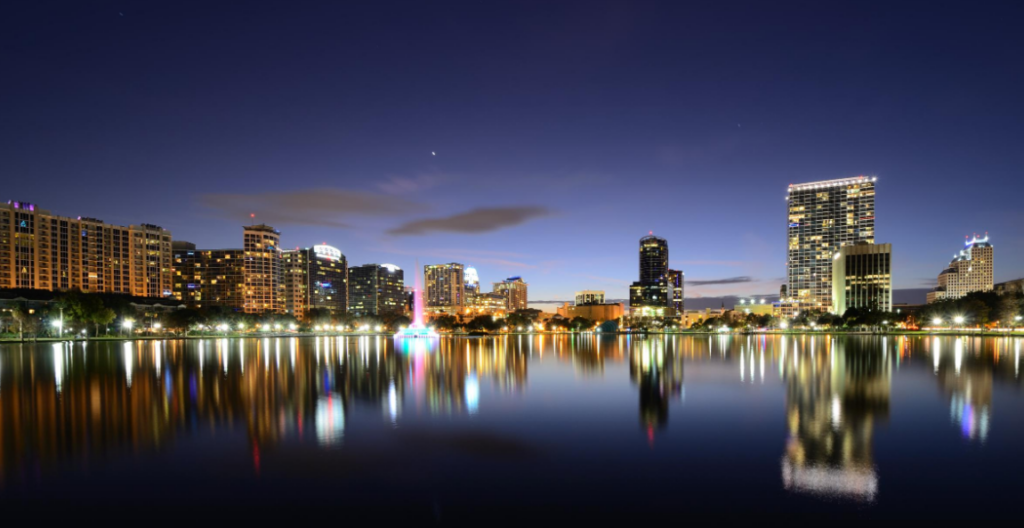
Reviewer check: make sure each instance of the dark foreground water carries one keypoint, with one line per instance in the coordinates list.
(519, 429)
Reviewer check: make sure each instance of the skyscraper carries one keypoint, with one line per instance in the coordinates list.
(659, 286)
(374, 289)
(823, 217)
(263, 287)
(315, 277)
(970, 270)
(472, 286)
(43, 251)
(514, 291)
(862, 277)
(445, 287)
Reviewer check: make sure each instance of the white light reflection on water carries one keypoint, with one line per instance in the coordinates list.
(330, 420)
(128, 363)
(58, 364)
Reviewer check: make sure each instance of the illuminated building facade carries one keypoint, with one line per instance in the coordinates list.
(599, 312)
(42, 251)
(445, 287)
(659, 286)
(209, 277)
(823, 217)
(374, 289)
(969, 271)
(315, 277)
(264, 291)
(513, 289)
(862, 278)
(586, 297)
(472, 284)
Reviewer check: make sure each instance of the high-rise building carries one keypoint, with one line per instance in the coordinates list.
(862, 277)
(208, 277)
(445, 287)
(823, 217)
(43, 251)
(969, 271)
(374, 289)
(264, 291)
(514, 291)
(587, 297)
(659, 286)
(472, 285)
(315, 277)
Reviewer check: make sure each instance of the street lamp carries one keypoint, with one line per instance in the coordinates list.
(936, 321)
(127, 325)
(241, 326)
(959, 319)
(783, 325)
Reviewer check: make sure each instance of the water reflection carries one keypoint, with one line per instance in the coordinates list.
(62, 404)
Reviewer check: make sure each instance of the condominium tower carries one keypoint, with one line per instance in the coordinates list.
(514, 290)
(374, 289)
(208, 277)
(445, 286)
(969, 271)
(43, 251)
(659, 286)
(823, 217)
(315, 277)
(264, 291)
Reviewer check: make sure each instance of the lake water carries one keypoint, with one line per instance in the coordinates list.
(537, 429)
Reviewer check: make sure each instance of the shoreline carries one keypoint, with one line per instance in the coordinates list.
(919, 333)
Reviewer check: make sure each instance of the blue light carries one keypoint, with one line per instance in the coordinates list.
(794, 225)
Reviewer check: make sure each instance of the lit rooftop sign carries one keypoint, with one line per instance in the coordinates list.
(329, 252)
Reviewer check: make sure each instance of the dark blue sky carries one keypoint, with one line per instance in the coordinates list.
(563, 131)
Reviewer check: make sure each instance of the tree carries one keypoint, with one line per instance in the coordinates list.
(483, 322)
(581, 323)
(102, 317)
(445, 321)
(20, 315)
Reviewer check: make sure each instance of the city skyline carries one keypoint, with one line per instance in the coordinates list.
(394, 168)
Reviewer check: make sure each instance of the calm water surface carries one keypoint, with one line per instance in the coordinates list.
(536, 429)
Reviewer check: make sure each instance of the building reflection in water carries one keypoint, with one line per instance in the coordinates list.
(836, 392)
(69, 405)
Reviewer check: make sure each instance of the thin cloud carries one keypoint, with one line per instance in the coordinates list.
(730, 280)
(312, 207)
(467, 256)
(402, 185)
(732, 263)
(482, 220)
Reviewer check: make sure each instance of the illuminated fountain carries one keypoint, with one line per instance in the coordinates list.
(417, 328)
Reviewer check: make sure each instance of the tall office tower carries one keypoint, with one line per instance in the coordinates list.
(823, 217)
(862, 277)
(514, 291)
(315, 277)
(659, 286)
(589, 297)
(374, 289)
(969, 271)
(208, 277)
(264, 290)
(444, 287)
(43, 251)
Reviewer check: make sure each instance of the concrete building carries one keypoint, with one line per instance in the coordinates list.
(586, 297)
(513, 289)
(1013, 286)
(862, 277)
(43, 251)
(970, 270)
(445, 287)
(264, 290)
(208, 277)
(754, 307)
(598, 312)
(688, 318)
(374, 289)
(315, 277)
(822, 217)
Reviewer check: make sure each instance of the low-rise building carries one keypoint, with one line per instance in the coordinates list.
(595, 312)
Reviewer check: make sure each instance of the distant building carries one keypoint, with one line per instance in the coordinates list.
(513, 289)
(969, 271)
(659, 286)
(688, 318)
(822, 217)
(490, 303)
(472, 282)
(264, 291)
(1013, 286)
(445, 286)
(208, 277)
(599, 312)
(315, 277)
(586, 297)
(43, 251)
(862, 277)
(375, 289)
(754, 307)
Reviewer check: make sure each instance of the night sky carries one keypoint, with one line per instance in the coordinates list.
(563, 131)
